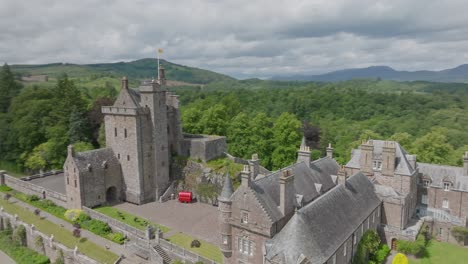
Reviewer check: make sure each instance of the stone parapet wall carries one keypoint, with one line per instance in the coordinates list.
(33, 189)
(51, 247)
(205, 148)
(129, 231)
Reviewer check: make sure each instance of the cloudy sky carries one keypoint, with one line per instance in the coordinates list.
(242, 38)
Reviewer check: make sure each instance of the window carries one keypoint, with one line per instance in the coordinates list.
(115, 131)
(245, 246)
(377, 165)
(426, 183)
(334, 259)
(362, 229)
(128, 157)
(76, 184)
(445, 203)
(424, 199)
(368, 222)
(446, 186)
(125, 133)
(354, 239)
(440, 231)
(118, 155)
(245, 218)
(225, 240)
(378, 211)
(373, 217)
(345, 247)
(68, 181)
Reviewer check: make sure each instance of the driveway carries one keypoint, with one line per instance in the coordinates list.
(196, 219)
(4, 259)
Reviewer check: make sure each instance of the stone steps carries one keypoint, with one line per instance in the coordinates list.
(163, 254)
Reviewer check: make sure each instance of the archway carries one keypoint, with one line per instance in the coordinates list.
(394, 244)
(111, 194)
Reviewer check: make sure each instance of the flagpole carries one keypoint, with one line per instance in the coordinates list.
(158, 65)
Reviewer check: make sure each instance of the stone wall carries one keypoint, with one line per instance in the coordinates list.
(203, 147)
(129, 231)
(51, 247)
(32, 189)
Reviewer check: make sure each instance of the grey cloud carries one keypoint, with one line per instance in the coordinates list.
(241, 38)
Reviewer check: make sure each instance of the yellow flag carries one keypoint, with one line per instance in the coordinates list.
(160, 50)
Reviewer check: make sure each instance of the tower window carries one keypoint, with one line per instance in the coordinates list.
(76, 185)
(125, 132)
(128, 157)
(115, 131)
(118, 156)
(445, 203)
(68, 181)
(225, 240)
(245, 218)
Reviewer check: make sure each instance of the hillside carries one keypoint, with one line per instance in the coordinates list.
(139, 69)
(457, 74)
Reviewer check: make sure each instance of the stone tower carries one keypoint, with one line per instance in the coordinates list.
(153, 97)
(225, 213)
(388, 158)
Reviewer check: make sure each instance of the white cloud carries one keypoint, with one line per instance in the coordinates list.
(240, 38)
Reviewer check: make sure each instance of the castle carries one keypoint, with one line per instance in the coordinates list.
(317, 211)
(143, 131)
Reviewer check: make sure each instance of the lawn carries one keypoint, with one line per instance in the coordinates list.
(60, 234)
(441, 252)
(206, 249)
(129, 219)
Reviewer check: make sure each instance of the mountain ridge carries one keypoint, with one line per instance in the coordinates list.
(456, 74)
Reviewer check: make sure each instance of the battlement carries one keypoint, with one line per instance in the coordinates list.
(111, 110)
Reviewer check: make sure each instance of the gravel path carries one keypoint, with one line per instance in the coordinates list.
(5, 259)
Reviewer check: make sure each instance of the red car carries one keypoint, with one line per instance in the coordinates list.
(185, 197)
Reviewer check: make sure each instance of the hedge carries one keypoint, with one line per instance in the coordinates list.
(20, 254)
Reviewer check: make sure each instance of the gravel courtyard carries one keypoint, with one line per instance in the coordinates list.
(52, 182)
(196, 219)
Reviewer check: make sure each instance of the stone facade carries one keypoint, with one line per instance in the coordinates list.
(143, 131)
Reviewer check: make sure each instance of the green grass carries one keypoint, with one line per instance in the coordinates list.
(223, 165)
(60, 234)
(129, 219)
(441, 252)
(206, 249)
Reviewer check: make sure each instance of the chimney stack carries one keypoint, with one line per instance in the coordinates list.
(330, 151)
(124, 82)
(245, 176)
(366, 158)
(254, 166)
(388, 158)
(342, 175)
(303, 154)
(71, 151)
(287, 195)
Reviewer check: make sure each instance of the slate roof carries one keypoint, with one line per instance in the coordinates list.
(440, 173)
(228, 190)
(135, 95)
(403, 167)
(317, 230)
(95, 158)
(267, 188)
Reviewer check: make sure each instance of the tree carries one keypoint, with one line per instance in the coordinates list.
(433, 147)
(239, 136)
(261, 138)
(78, 127)
(9, 88)
(311, 135)
(191, 120)
(214, 120)
(286, 139)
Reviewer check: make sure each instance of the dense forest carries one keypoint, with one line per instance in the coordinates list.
(38, 121)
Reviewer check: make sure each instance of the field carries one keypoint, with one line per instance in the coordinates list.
(440, 252)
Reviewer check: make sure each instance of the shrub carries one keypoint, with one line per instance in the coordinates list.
(177, 262)
(39, 243)
(195, 243)
(382, 253)
(400, 259)
(60, 258)
(118, 238)
(8, 227)
(37, 212)
(460, 233)
(412, 247)
(73, 214)
(367, 248)
(33, 198)
(19, 235)
(20, 254)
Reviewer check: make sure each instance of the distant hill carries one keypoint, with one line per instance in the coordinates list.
(458, 74)
(139, 69)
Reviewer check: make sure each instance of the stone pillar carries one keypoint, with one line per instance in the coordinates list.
(75, 251)
(51, 241)
(2, 177)
(159, 235)
(149, 232)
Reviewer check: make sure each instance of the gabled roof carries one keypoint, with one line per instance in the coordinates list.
(444, 173)
(95, 159)
(305, 179)
(403, 167)
(128, 98)
(318, 229)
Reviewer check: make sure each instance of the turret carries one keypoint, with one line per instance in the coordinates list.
(367, 156)
(162, 76)
(303, 154)
(388, 158)
(124, 82)
(225, 202)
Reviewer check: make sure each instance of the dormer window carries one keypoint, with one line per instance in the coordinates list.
(447, 186)
(426, 183)
(244, 218)
(377, 165)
